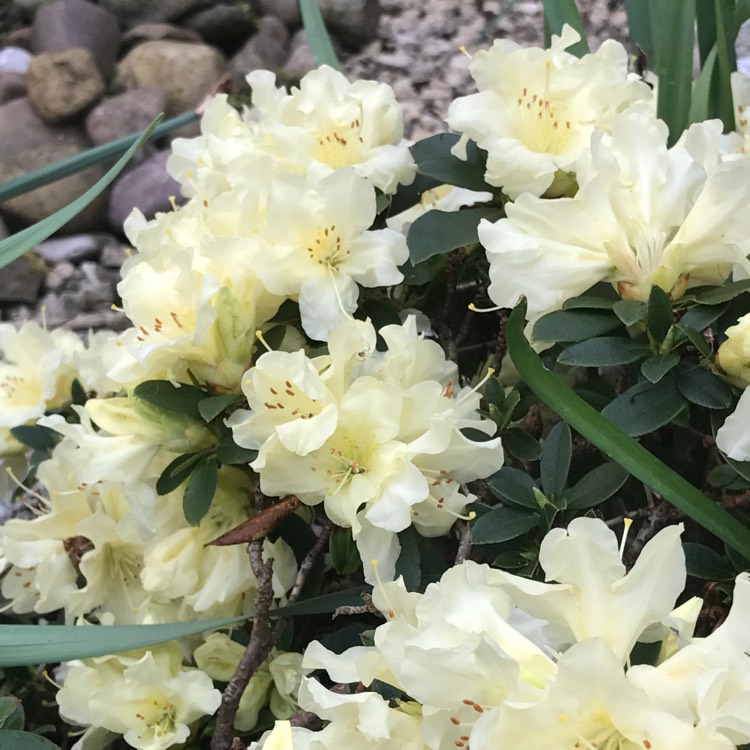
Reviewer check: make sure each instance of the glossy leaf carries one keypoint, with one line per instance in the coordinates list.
(17, 740)
(324, 604)
(630, 311)
(574, 325)
(645, 407)
(554, 465)
(513, 486)
(176, 472)
(655, 368)
(717, 295)
(701, 387)
(435, 160)
(596, 486)
(36, 436)
(210, 408)
(614, 443)
(604, 351)
(228, 452)
(200, 490)
(344, 555)
(180, 398)
(439, 232)
(659, 317)
(703, 562)
(409, 564)
(502, 525)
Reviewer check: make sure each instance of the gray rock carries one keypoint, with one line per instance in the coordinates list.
(147, 186)
(60, 276)
(267, 48)
(286, 11)
(26, 143)
(186, 73)
(301, 61)
(21, 280)
(355, 21)
(12, 86)
(14, 60)
(62, 84)
(29, 8)
(154, 32)
(224, 24)
(114, 254)
(133, 12)
(73, 24)
(117, 116)
(73, 248)
(19, 38)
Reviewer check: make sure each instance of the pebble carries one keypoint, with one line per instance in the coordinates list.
(14, 60)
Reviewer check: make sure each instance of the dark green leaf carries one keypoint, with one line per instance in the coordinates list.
(9, 704)
(180, 398)
(14, 740)
(703, 562)
(639, 24)
(210, 408)
(407, 196)
(494, 393)
(630, 311)
(513, 486)
(645, 407)
(435, 147)
(596, 486)
(27, 239)
(726, 62)
(200, 490)
(510, 560)
(423, 273)
(698, 340)
(22, 645)
(659, 316)
(717, 295)
(439, 232)
(721, 475)
(521, 444)
(604, 351)
(454, 171)
(77, 393)
(177, 472)
(655, 368)
(557, 13)
(344, 554)
(36, 436)
(408, 564)
(589, 302)
(325, 604)
(501, 525)
(228, 452)
(317, 34)
(700, 317)
(701, 387)
(705, 96)
(574, 325)
(557, 450)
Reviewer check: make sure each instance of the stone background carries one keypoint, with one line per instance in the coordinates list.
(74, 73)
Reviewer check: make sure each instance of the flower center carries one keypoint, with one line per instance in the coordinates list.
(346, 459)
(291, 399)
(600, 734)
(541, 125)
(161, 720)
(325, 248)
(341, 146)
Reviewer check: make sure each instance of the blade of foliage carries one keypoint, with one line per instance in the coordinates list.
(200, 490)
(177, 397)
(674, 34)
(36, 436)
(655, 368)
(22, 645)
(409, 564)
(439, 232)
(718, 295)
(228, 452)
(574, 325)
(259, 525)
(659, 317)
(703, 562)
(513, 486)
(502, 525)
(701, 387)
(616, 444)
(603, 351)
(727, 62)
(15, 246)
(344, 555)
(639, 24)
(321, 605)
(630, 311)
(645, 407)
(556, 14)
(107, 152)
(705, 100)
(554, 465)
(435, 160)
(596, 486)
(705, 18)
(176, 472)
(317, 34)
(210, 408)
(16, 740)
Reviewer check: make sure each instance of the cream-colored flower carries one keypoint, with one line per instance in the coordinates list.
(733, 356)
(537, 108)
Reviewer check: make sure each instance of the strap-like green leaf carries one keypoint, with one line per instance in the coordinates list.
(616, 444)
(317, 34)
(107, 152)
(22, 645)
(20, 243)
(639, 23)
(556, 14)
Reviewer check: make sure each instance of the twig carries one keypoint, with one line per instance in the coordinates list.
(310, 559)
(464, 546)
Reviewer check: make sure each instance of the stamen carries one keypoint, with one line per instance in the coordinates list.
(259, 336)
(27, 490)
(391, 610)
(476, 309)
(490, 373)
(627, 523)
(338, 297)
(46, 676)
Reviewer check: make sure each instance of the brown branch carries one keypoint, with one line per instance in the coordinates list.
(310, 559)
(464, 545)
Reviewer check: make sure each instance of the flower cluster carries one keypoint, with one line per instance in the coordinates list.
(486, 659)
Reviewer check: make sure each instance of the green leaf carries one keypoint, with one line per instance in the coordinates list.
(721, 475)
(699, 318)
(655, 368)
(589, 302)
(659, 317)
(604, 351)
(176, 472)
(616, 444)
(15, 740)
(703, 562)
(630, 311)
(344, 554)
(674, 34)
(596, 486)
(717, 295)
(556, 14)
(701, 387)
(317, 34)
(107, 152)
(639, 24)
(439, 232)
(9, 704)
(22, 645)
(77, 393)
(705, 99)
(435, 160)
(554, 465)
(321, 605)
(727, 61)
(698, 340)
(645, 407)
(180, 398)
(210, 408)
(228, 452)
(573, 325)
(36, 436)
(15, 246)
(200, 490)
(407, 196)
(513, 486)
(501, 525)
(494, 393)
(521, 444)
(409, 564)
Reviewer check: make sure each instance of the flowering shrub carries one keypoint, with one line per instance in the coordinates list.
(306, 403)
